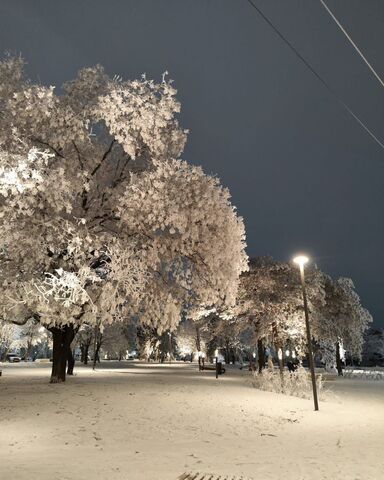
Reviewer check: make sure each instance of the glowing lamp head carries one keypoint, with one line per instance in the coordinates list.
(301, 260)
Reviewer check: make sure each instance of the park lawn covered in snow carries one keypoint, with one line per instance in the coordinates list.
(137, 421)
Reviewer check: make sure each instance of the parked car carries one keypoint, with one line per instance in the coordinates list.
(13, 358)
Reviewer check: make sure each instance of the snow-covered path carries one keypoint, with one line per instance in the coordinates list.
(137, 421)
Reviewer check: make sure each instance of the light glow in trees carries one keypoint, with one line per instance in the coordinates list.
(270, 300)
(100, 219)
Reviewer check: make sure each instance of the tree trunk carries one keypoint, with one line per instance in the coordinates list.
(279, 348)
(28, 353)
(339, 365)
(70, 356)
(86, 350)
(98, 350)
(71, 362)
(96, 353)
(260, 355)
(198, 341)
(227, 353)
(62, 338)
(198, 345)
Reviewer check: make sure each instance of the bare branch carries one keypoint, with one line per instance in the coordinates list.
(34, 139)
(107, 152)
(78, 156)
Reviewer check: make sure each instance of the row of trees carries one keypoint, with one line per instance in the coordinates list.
(269, 314)
(337, 317)
(269, 311)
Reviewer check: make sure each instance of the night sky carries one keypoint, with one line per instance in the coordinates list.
(303, 174)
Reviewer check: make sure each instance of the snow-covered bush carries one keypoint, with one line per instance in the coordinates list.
(366, 373)
(297, 384)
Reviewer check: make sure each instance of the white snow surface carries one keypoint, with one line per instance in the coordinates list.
(137, 421)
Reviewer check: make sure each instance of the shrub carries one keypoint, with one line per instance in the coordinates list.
(297, 384)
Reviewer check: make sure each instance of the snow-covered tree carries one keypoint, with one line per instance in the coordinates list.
(342, 320)
(7, 338)
(118, 339)
(186, 337)
(84, 339)
(152, 345)
(230, 337)
(30, 335)
(100, 220)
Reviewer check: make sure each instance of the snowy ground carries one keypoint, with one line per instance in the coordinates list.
(136, 421)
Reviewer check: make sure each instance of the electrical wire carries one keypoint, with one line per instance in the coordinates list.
(352, 42)
(307, 64)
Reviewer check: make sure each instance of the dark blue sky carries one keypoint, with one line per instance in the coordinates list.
(302, 172)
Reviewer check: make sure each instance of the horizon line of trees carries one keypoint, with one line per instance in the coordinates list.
(268, 315)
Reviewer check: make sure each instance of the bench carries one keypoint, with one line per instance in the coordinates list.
(216, 367)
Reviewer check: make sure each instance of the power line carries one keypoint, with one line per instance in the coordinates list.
(352, 43)
(330, 89)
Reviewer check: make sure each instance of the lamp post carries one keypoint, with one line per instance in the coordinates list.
(301, 260)
(170, 346)
(216, 362)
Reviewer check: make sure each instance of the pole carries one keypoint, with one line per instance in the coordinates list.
(96, 333)
(170, 346)
(198, 345)
(217, 367)
(309, 338)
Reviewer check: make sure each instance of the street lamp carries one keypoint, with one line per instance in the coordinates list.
(301, 260)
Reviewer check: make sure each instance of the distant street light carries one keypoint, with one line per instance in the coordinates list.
(301, 260)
